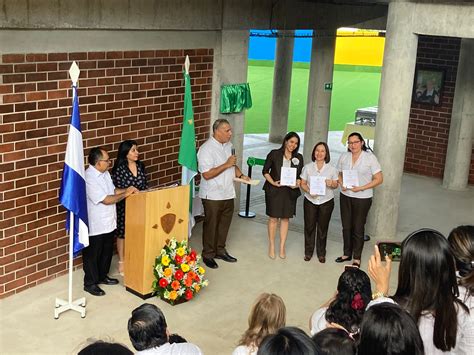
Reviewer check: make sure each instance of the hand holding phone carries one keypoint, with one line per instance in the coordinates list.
(391, 249)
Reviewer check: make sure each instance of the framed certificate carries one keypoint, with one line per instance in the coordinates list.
(317, 185)
(350, 178)
(288, 176)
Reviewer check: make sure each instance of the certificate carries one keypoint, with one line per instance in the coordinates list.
(350, 178)
(288, 176)
(317, 185)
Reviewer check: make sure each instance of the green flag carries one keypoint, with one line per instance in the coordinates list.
(187, 150)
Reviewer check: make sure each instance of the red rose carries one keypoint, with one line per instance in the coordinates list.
(188, 294)
(192, 255)
(178, 259)
(163, 283)
(178, 275)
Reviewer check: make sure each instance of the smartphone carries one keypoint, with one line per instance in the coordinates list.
(349, 267)
(390, 249)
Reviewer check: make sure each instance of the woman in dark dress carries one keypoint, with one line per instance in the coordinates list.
(281, 200)
(127, 171)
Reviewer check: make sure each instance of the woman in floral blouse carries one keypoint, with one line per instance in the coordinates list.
(127, 171)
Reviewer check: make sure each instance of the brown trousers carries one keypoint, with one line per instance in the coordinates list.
(217, 220)
(316, 219)
(354, 215)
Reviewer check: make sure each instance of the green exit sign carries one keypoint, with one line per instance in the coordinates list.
(327, 86)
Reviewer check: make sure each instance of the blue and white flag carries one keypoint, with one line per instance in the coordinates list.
(72, 194)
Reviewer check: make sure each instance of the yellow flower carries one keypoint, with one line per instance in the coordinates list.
(185, 267)
(201, 270)
(180, 251)
(197, 288)
(173, 295)
(168, 272)
(165, 260)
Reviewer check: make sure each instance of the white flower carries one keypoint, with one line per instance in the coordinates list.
(295, 161)
(173, 243)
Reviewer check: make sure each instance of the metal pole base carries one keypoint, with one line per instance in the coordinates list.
(62, 306)
(243, 214)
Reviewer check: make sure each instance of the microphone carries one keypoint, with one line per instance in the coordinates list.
(233, 151)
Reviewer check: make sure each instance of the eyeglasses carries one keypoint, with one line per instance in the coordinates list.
(352, 143)
(107, 160)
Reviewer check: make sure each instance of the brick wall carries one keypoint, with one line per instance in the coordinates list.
(122, 95)
(428, 129)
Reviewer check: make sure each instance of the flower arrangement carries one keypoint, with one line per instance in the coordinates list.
(178, 275)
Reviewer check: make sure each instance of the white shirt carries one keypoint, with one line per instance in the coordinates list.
(102, 218)
(211, 155)
(318, 321)
(328, 171)
(172, 349)
(367, 166)
(244, 350)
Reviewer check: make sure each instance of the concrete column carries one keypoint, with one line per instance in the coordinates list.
(319, 98)
(393, 115)
(458, 157)
(281, 86)
(230, 67)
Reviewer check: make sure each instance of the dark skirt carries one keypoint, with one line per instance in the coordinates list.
(280, 202)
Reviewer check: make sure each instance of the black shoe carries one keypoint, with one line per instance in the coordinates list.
(94, 290)
(340, 259)
(227, 257)
(210, 263)
(109, 281)
(366, 238)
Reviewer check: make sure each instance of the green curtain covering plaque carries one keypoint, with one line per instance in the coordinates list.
(235, 98)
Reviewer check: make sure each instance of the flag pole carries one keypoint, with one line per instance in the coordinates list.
(80, 304)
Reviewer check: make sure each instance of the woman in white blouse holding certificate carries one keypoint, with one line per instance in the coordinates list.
(318, 180)
(282, 171)
(359, 172)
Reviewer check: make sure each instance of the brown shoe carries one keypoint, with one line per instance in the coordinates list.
(307, 258)
(322, 259)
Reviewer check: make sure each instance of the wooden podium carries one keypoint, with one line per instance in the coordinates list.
(152, 217)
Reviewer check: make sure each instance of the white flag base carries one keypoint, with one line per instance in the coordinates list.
(80, 304)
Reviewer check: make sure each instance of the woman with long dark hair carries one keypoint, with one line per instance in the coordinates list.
(281, 200)
(346, 308)
(427, 289)
(355, 201)
(461, 241)
(128, 171)
(389, 329)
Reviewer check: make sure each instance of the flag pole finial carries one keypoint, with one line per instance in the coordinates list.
(74, 72)
(186, 65)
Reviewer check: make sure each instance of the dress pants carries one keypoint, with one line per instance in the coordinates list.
(217, 220)
(316, 223)
(354, 215)
(96, 258)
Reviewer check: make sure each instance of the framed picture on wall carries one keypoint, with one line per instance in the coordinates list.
(428, 86)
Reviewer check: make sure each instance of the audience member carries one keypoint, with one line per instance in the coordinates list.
(101, 347)
(461, 240)
(334, 341)
(288, 341)
(427, 289)
(388, 329)
(268, 314)
(148, 333)
(346, 308)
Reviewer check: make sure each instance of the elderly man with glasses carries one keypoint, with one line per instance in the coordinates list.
(101, 199)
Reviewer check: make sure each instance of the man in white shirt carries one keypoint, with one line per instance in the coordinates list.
(149, 334)
(101, 199)
(218, 170)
